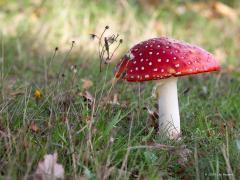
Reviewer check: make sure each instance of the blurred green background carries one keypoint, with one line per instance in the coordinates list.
(38, 26)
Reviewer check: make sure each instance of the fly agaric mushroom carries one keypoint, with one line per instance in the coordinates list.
(164, 59)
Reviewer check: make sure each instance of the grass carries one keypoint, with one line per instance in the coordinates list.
(94, 138)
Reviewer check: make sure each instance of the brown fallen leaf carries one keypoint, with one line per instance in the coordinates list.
(86, 84)
(87, 96)
(33, 127)
(229, 125)
(152, 120)
(49, 169)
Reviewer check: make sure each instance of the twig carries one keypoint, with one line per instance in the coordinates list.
(71, 145)
(156, 146)
(50, 63)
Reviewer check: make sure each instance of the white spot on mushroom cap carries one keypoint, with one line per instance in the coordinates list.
(150, 63)
(167, 60)
(162, 70)
(155, 69)
(159, 60)
(146, 76)
(150, 52)
(136, 68)
(142, 68)
(177, 65)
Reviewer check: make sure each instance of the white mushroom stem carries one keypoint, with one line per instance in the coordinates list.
(169, 119)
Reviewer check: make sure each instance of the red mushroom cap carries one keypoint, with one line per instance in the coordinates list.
(160, 58)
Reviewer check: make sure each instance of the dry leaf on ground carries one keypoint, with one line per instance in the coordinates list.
(49, 169)
(152, 120)
(86, 83)
(87, 96)
(34, 127)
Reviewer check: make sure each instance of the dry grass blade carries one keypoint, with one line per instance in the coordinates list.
(196, 163)
(226, 157)
(153, 146)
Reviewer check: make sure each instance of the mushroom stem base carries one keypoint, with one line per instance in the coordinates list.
(169, 119)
